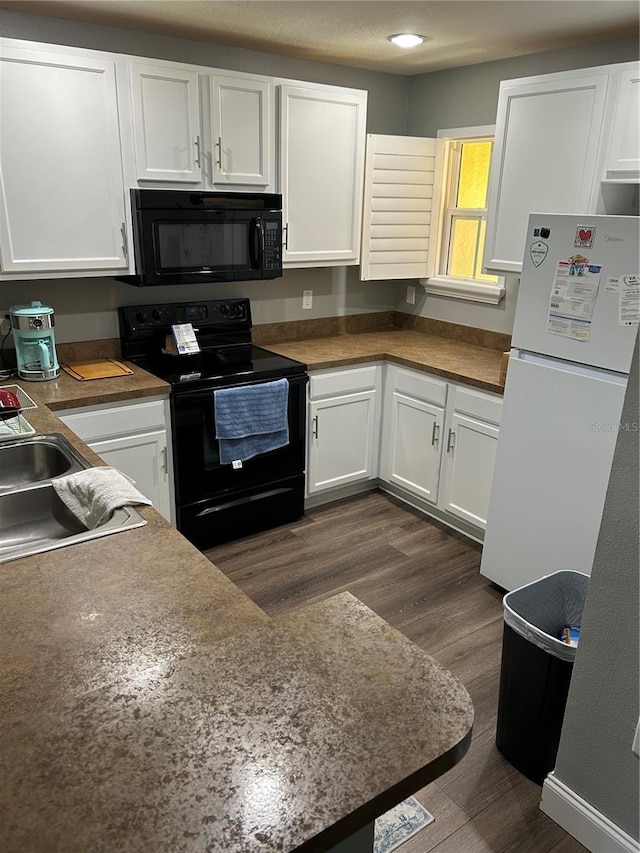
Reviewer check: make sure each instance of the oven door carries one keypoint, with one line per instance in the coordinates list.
(199, 474)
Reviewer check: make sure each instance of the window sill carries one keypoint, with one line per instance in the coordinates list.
(459, 288)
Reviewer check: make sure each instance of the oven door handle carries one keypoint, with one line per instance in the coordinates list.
(256, 243)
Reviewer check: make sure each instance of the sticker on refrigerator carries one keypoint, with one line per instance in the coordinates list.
(573, 298)
(629, 300)
(538, 252)
(584, 236)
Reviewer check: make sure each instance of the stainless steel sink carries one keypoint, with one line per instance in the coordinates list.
(33, 519)
(36, 460)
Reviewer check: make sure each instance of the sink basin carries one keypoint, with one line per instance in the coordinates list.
(37, 459)
(33, 520)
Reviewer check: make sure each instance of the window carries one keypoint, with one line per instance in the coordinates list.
(463, 165)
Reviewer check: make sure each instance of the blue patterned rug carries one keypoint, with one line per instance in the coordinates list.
(399, 824)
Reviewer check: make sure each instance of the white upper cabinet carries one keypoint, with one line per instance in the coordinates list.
(624, 151)
(241, 130)
(62, 206)
(545, 156)
(322, 142)
(196, 127)
(166, 123)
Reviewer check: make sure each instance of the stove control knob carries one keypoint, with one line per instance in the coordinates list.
(238, 310)
(157, 315)
(225, 311)
(141, 317)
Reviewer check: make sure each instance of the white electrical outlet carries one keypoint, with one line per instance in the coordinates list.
(635, 748)
(307, 299)
(411, 294)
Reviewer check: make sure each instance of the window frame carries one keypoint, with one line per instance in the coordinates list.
(446, 177)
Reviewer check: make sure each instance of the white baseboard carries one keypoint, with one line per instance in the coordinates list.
(579, 818)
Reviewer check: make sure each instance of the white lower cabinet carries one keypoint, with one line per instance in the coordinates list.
(469, 453)
(133, 438)
(439, 443)
(343, 428)
(413, 427)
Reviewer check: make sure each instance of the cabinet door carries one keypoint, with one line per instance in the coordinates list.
(342, 441)
(468, 460)
(63, 199)
(322, 139)
(545, 157)
(241, 130)
(624, 152)
(166, 120)
(144, 459)
(412, 446)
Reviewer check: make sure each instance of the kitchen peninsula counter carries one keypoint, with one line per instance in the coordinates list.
(451, 359)
(148, 706)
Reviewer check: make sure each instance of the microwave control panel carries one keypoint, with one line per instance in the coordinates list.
(272, 240)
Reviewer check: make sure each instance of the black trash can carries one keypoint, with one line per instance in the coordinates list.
(536, 669)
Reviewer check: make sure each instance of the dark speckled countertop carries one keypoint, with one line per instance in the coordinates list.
(452, 359)
(146, 704)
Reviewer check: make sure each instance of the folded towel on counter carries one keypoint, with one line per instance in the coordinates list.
(94, 494)
(251, 419)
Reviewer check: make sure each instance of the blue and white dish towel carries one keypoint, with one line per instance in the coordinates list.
(251, 419)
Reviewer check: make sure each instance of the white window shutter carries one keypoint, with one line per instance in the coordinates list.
(398, 196)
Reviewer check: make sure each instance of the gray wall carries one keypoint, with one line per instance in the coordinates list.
(467, 97)
(86, 308)
(595, 758)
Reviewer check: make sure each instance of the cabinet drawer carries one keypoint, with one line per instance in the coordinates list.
(418, 385)
(476, 403)
(343, 382)
(107, 422)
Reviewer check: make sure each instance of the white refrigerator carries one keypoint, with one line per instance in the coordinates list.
(573, 338)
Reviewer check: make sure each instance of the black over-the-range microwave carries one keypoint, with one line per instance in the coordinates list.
(183, 237)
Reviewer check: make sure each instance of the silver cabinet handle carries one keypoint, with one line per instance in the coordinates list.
(435, 434)
(285, 234)
(164, 467)
(219, 147)
(451, 441)
(314, 423)
(198, 154)
(123, 235)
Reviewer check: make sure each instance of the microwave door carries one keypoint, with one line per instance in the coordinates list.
(203, 247)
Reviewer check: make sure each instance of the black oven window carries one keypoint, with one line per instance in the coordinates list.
(217, 245)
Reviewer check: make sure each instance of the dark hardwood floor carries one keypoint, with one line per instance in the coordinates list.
(423, 578)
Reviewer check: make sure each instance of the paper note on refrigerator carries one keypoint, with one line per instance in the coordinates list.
(629, 300)
(573, 298)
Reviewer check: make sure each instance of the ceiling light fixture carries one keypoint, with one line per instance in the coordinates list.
(406, 39)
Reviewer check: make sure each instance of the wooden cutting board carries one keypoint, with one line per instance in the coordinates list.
(96, 368)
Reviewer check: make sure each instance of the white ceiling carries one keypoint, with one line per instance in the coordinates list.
(354, 32)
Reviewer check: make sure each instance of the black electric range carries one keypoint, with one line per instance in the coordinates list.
(216, 501)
